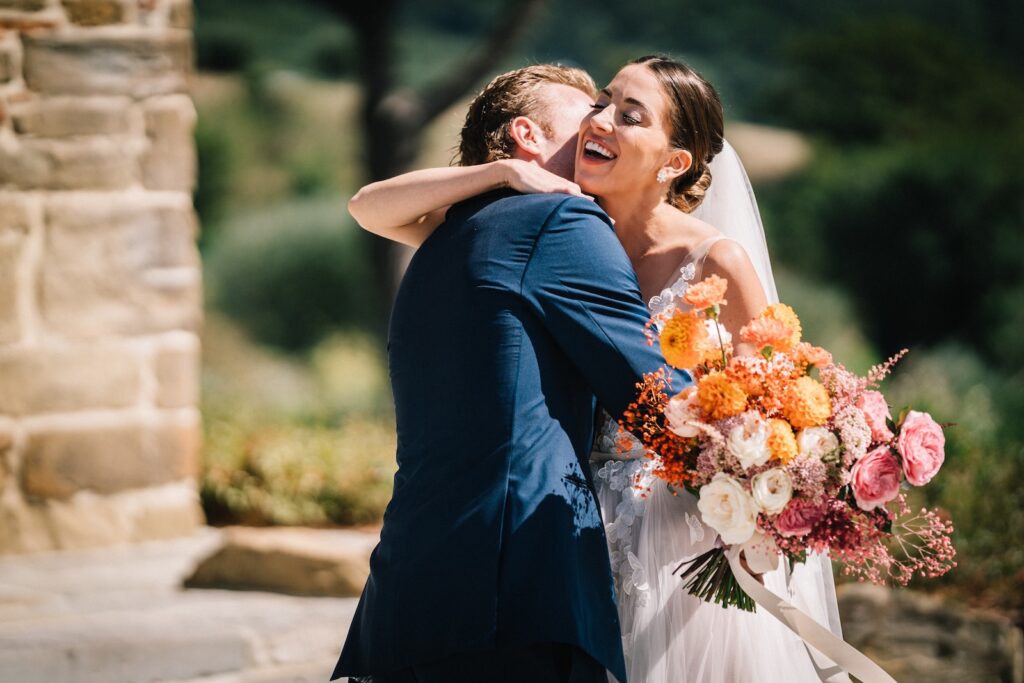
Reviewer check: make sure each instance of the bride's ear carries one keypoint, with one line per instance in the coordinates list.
(527, 135)
(677, 164)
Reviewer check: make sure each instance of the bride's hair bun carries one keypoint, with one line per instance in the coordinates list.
(697, 125)
(692, 193)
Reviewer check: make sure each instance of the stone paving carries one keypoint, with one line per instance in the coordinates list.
(119, 615)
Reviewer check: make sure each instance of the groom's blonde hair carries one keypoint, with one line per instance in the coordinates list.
(485, 134)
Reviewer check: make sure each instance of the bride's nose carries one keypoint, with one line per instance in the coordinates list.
(602, 121)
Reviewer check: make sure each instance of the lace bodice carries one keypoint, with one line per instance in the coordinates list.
(609, 442)
(619, 462)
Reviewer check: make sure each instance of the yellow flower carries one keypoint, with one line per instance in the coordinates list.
(720, 397)
(684, 340)
(707, 293)
(806, 403)
(781, 440)
(787, 316)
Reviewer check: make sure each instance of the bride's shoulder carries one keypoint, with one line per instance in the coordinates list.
(729, 259)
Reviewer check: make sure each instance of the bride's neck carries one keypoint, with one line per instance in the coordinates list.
(641, 222)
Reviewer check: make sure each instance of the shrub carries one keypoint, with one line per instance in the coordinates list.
(261, 473)
(291, 273)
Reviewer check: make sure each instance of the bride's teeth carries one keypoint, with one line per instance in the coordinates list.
(596, 148)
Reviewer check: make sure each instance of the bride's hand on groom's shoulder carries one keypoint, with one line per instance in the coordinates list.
(526, 177)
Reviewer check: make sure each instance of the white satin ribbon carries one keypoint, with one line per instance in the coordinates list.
(810, 631)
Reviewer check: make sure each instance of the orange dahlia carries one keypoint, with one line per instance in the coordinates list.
(684, 340)
(781, 440)
(808, 354)
(707, 293)
(787, 316)
(766, 333)
(720, 397)
(805, 403)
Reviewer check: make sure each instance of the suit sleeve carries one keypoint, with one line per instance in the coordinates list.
(582, 286)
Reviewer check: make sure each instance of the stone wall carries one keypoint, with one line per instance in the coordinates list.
(100, 292)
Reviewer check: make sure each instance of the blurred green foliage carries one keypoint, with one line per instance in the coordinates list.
(294, 438)
(905, 229)
(292, 274)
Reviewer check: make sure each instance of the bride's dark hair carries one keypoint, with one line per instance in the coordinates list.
(697, 125)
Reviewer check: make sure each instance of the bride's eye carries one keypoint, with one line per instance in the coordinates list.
(598, 105)
(630, 120)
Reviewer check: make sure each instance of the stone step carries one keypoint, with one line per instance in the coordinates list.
(200, 633)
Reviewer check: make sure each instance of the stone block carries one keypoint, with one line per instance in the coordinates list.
(42, 380)
(23, 5)
(170, 161)
(15, 222)
(88, 520)
(177, 373)
(6, 443)
(35, 18)
(180, 14)
(57, 117)
(10, 57)
(23, 529)
(135, 61)
(57, 463)
(121, 264)
(99, 12)
(289, 560)
(94, 163)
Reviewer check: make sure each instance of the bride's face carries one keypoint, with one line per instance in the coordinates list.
(626, 138)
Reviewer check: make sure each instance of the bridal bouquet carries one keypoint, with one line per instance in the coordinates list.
(787, 452)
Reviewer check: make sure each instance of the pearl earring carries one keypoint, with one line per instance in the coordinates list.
(662, 176)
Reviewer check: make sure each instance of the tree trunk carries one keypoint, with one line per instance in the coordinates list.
(394, 118)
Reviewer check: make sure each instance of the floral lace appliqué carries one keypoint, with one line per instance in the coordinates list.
(663, 305)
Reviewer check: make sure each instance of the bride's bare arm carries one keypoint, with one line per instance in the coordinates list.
(745, 296)
(409, 207)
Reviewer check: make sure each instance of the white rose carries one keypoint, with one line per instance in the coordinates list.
(728, 509)
(714, 329)
(761, 553)
(681, 410)
(772, 489)
(816, 442)
(749, 440)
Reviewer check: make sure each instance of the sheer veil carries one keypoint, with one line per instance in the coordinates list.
(730, 206)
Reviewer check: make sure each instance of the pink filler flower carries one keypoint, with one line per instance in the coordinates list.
(876, 412)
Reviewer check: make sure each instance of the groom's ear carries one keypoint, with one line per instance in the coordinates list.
(678, 164)
(528, 135)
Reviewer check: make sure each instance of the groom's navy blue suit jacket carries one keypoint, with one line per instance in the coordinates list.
(512, 317)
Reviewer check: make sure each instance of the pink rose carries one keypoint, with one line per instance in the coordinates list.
(799, 517)
(875, 478)
(923, 447)
(876, 412)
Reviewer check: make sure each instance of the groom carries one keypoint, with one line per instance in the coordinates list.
(513, 318)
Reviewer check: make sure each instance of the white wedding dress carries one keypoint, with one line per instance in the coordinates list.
(668, 635)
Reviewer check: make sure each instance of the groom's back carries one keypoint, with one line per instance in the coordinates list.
(493, 536)
(464, 348)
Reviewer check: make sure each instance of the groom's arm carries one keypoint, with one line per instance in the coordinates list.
(582, 286)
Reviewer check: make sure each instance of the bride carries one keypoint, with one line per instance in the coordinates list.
(652, 152)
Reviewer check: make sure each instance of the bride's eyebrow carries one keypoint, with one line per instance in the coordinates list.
(630, 100)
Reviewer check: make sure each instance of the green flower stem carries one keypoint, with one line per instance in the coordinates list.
(709, 577)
